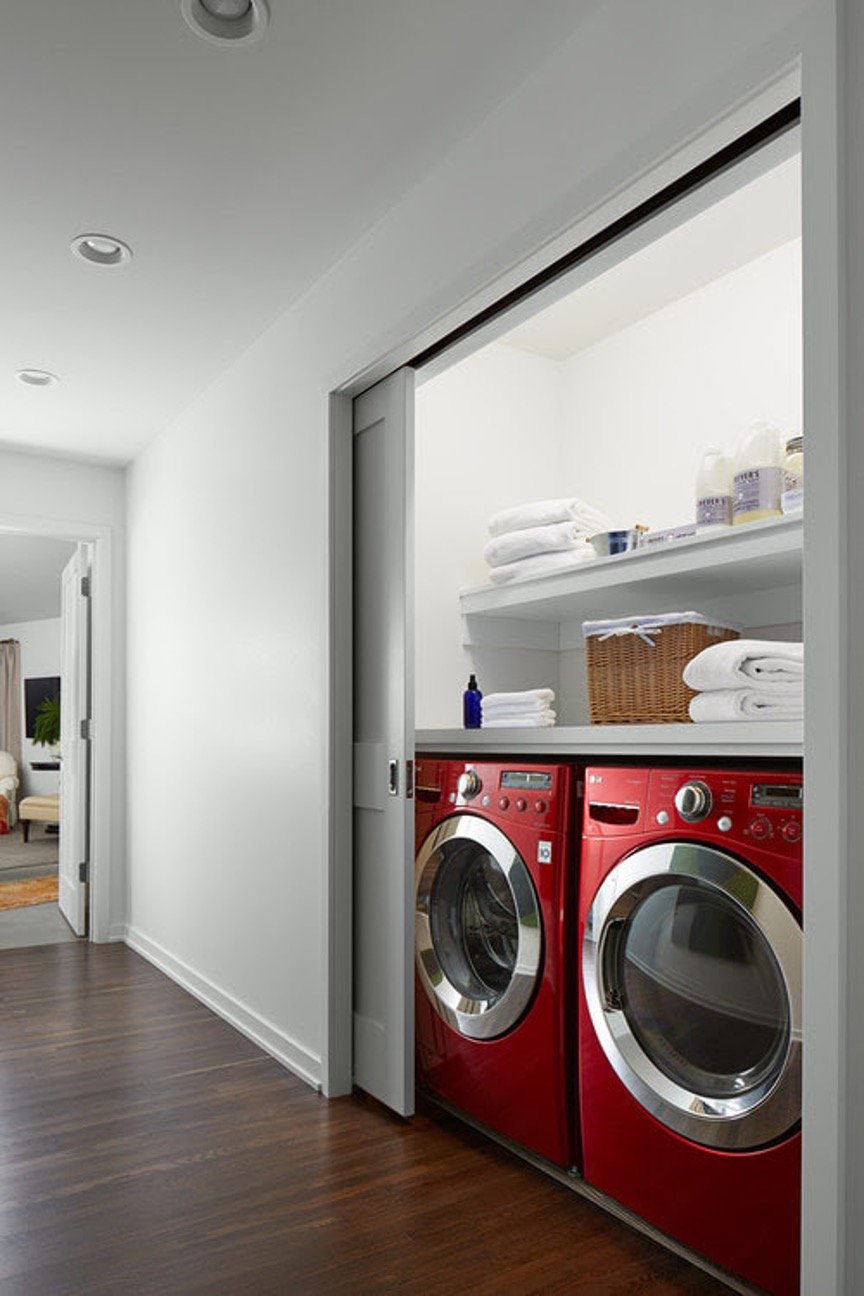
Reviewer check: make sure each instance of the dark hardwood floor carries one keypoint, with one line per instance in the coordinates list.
(146, 1147)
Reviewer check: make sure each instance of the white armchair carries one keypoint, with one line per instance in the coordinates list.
(9, 784)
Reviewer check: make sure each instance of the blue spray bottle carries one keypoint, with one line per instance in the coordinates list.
(472, 714)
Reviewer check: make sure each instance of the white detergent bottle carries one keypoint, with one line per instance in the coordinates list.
(758, 480)
(714, 490)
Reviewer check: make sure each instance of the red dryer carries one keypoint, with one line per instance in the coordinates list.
(494, 958)
(690, 1008)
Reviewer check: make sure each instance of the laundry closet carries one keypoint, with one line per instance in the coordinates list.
(666, 346)
(607, 916)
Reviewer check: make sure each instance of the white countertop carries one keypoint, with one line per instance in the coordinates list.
(779, 738)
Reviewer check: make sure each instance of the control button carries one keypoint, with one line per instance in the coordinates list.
(662, 816)
(724, 823)
(540, 807)
(485, 799)
(693, 801)
(503, 803)
(760, 827)
(521, 804)
(469, 784)
(791, 831)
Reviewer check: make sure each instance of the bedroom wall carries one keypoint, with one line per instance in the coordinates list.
(40, 656)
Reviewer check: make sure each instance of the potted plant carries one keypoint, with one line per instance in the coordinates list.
(46, 729)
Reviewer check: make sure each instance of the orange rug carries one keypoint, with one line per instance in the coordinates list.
(17, 895)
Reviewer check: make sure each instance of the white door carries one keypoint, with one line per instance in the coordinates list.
(383, 1011)
(74, 739)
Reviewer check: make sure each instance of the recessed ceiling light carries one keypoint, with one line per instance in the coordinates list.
(37, 378)
(101, 249)
(227, 22)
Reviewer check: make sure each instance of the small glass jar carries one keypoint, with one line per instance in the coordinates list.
(792, 499)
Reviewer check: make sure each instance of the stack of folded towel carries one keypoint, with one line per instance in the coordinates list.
(545, 536)
(747, 679)
(529, 710)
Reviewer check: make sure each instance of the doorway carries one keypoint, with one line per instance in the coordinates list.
(45, 736)
(30, 641)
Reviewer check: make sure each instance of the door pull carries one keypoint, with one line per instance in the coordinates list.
(393, 777)
(409, 779)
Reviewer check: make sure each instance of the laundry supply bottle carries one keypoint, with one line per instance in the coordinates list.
(758, 480)
(472, 712)
(714, 490)
(792, 499)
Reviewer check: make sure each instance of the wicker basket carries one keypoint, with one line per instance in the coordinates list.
(635, 665)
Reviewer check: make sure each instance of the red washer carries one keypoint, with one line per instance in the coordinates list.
(495, 971)
(690, 1009)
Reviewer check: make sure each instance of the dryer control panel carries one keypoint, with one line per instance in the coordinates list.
(740, 808)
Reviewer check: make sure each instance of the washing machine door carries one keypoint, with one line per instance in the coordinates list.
(691, 969)
(478, 927)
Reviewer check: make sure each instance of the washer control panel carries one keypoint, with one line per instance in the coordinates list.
(519, 794)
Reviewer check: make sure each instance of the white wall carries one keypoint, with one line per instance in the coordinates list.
(40, 656)
(641, 405)
(487, 437)
(71, 500)
(228, 529)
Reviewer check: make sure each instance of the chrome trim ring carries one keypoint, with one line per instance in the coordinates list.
(760, 1114)
(477, 1018)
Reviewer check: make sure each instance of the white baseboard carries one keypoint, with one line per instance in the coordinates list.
(262, 1032)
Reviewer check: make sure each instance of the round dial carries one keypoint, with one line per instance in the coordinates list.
(693, 801)
(469, 784)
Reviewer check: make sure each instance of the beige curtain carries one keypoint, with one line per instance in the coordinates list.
(10, 697)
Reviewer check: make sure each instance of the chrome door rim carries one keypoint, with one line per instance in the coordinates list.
(478, 1018)
(765, 1112)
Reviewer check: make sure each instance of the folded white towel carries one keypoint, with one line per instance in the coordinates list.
(766, 663)
(505, 717)
(545, 720)
(534, 540)
(542, 564)
(544, 512)
(527, 698)
(719, 705)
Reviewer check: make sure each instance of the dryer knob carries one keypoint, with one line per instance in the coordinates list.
(693, 801)
(469, 784)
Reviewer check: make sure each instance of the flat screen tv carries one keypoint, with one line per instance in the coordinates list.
(35, 693)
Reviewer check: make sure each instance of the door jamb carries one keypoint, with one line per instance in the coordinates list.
(103, 868)
(337, 1064)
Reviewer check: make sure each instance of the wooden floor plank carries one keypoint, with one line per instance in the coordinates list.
(147, 1147)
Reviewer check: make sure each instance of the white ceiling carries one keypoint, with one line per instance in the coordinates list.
(30, 569)
(238, 175)
(748, 223)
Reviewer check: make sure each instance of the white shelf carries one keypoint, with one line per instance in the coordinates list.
(774, 738)
(750, 574)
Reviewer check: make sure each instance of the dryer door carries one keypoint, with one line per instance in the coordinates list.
(691, 969)
(477, 925)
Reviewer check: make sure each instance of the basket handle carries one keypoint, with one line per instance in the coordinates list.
(644, 632)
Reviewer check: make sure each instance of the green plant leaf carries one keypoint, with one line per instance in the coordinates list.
(46, 730)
